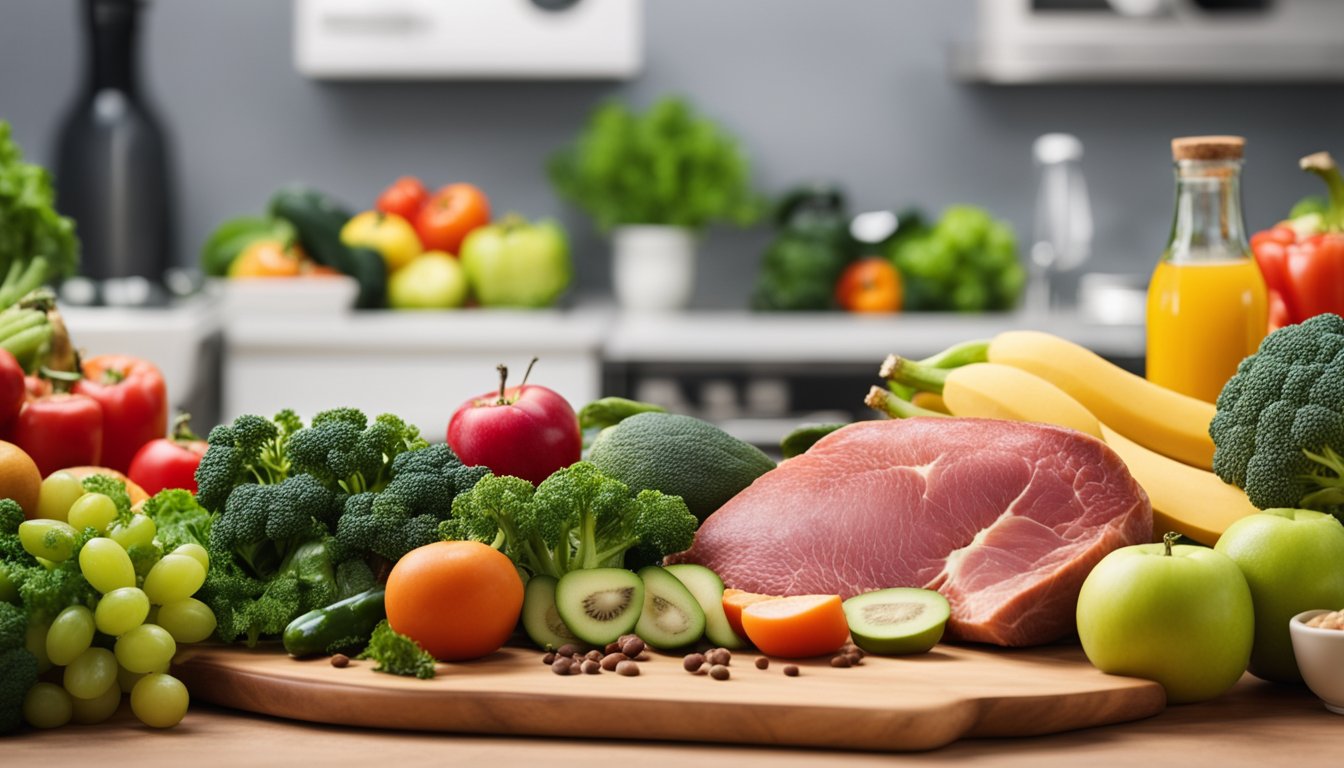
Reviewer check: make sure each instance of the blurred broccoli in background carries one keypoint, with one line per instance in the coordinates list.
(966, 262)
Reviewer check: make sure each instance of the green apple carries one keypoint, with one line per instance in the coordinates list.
(512, 263)
(1293, 560)
(432, 281)
(1180, 615)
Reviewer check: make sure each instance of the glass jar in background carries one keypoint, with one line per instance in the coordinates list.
(1207, 306)
(1062, 232)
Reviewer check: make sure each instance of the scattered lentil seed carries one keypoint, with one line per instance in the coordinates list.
(340, 660)
(632, 646)
(643, 656)
(721, 656)
(762, 663)
(610, 661)
(591, 667)
(548, 659)
(854, 659)
(627, 668)
(562, 665)
(790, 670)
(594, 655)
(718, 672)
(612, 647)
(840, 662)
(567, 650)
(693, 662)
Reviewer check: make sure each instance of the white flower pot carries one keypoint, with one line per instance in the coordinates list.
(653, 267)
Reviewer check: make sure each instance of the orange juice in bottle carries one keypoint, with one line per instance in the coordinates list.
(1207, 306)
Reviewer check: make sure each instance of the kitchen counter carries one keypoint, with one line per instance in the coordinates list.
(1256, 723)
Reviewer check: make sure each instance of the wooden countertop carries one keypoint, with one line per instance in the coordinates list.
(1256, 723)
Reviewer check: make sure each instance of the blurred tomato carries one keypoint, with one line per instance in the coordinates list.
(450, 215)
(405, 197)
(869, 285)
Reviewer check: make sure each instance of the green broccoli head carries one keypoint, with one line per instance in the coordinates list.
(348, 453)
(11, 549)
(1278, 431)
(13, 626)
(262, 524)
(44, 592)
(18, 673)
(250, 450)
(663, 523)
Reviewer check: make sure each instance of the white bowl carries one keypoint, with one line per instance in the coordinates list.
(325, 294)
(1320, 659)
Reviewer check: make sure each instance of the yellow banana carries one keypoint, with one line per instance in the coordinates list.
(933, 402)
(1157, 418)
(1185, 499)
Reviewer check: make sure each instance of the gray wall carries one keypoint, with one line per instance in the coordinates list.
(854, 90)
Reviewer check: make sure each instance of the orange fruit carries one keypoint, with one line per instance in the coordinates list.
(20, 479)
(797, 627)
(268, 258)
(734, 600)
(133, 489)
(458, 599)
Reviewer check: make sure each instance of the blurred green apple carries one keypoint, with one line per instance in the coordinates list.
(1180, 615)
(433, 280)
(512, 263)
(1293, 560)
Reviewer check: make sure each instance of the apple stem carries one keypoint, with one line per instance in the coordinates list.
(1169, 538)
(503, 378)
(528, 372)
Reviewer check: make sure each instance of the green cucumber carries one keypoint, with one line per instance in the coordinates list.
(317, 219)
(707, 588)
(541, 620)
(671, 616)
(343, 626)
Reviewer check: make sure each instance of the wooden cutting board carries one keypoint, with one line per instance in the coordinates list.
(889, 704)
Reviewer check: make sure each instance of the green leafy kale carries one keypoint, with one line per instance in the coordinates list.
(398, 654)
(37, 245)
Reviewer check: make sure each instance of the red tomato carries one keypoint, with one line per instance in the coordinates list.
(167, 463)
(60, 431)
(134, 401)
(869, 285)
(450, 215)
(405, 197)
(13, 388)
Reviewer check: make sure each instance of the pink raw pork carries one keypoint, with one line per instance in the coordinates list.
(1004, 518)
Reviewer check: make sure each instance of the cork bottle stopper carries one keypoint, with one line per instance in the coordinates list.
(1208, 148)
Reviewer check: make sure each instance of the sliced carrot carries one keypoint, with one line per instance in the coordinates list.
(797, 627)
(734, 600)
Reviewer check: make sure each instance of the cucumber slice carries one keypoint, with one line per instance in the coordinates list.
(599, 604)
(897, 620)
(541, 620)
(707, 588)
(672, 617)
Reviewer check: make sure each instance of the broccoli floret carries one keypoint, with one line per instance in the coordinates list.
(250, 607)
(45, 593)
(354, 577)
(143, 557)
(251, 450)
(347, 453)
(407, 512)
(262, 524)
(398, 654)
(577, 518)
(11, 549)
(1278, 430)
(18, 673)
(13, 626)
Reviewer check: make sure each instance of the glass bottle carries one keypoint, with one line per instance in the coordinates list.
(1207, 306)
(112, 168)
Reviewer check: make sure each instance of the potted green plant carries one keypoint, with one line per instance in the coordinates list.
(654, 181)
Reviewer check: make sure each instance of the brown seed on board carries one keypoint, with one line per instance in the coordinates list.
(627, 668)
(718, 672)
(693, 662)
(790, 670)
(762, 663)
(591, 667)
(610, 661)
(340, 661)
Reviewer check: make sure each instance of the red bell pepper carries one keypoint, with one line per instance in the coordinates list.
(1303, 260)
(134, 400)
(61, 430)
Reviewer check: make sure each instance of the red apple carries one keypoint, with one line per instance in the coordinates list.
(527, 431)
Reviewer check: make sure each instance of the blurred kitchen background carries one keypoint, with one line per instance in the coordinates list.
(900, 103)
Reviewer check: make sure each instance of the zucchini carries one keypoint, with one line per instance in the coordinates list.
(318, 219)
(343, 626)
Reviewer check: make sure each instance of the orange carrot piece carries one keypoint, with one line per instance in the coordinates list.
(734, 600)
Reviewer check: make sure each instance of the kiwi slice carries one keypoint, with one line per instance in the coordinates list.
(599, 604)
(541, 620)
(897, 620)
(707, 588)
(672, 617)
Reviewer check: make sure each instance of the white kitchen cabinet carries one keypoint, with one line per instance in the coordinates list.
(420, 366)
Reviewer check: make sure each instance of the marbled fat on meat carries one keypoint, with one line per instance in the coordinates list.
(1004, 518)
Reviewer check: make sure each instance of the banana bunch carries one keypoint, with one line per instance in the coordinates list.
(1161, 435)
